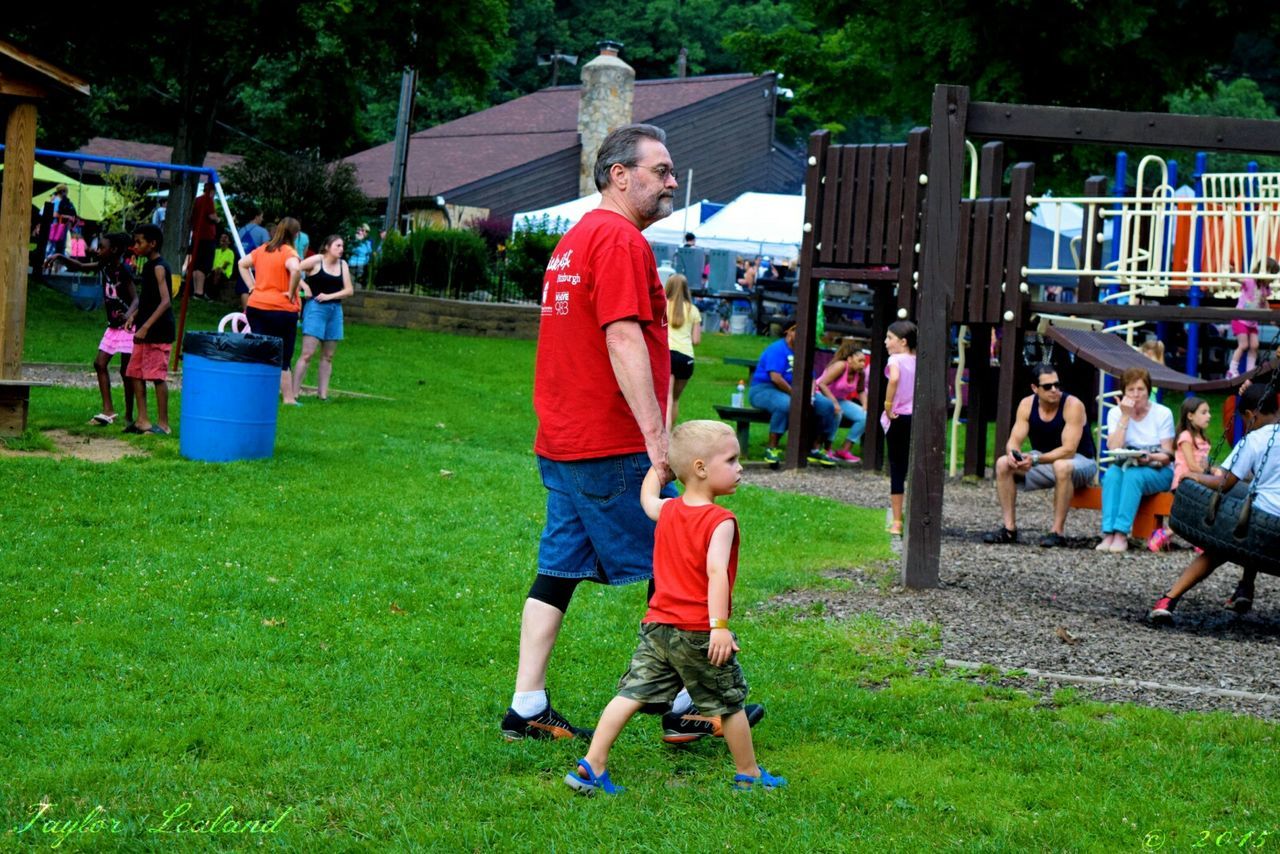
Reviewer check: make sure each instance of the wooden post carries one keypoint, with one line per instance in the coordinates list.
(802, 425)
(923, 546)
(990, 183)
(15, 229)
(1011, 367)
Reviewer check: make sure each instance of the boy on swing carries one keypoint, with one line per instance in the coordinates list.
(685, 637)
(1251, 458)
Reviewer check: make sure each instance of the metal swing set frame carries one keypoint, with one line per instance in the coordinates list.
(211, 175)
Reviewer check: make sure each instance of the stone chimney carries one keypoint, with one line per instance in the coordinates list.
(608, 90)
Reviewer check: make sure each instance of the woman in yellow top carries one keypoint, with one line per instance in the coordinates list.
(684, 332)
(273, 297)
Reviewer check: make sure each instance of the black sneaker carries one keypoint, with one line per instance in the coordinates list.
(1052, 541)
(692, 726)
(547, 724)
(1000, 535)
(1241, 601)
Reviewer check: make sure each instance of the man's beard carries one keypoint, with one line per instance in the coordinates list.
(662, 207)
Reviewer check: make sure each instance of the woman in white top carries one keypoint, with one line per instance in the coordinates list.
(684, 332)
(1136, 424)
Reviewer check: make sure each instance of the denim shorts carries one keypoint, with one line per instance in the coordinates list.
(322, 320)
(596, 529)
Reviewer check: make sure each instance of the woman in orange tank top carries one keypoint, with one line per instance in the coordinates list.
(273, 298)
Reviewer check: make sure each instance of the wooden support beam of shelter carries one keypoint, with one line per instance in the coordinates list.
(24, 79)
(1080, 126)
(938, 273)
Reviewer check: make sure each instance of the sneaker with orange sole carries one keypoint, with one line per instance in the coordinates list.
(692, 726)
(546, 724)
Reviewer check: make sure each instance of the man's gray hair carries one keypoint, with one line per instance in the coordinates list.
(621, 146)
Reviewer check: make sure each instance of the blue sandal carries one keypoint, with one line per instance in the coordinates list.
(591, 783)
(746, 783)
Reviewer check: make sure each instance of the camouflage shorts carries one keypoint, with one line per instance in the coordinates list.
(667, 658)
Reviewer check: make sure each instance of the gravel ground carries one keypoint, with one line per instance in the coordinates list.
(1063, 611)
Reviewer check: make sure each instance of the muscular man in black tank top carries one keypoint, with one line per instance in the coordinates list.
(1061, 455)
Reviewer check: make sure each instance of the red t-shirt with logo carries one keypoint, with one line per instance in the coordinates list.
(601, 271)
(680, 564)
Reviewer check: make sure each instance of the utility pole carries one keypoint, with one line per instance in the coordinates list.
(554, 59)
(404, 121)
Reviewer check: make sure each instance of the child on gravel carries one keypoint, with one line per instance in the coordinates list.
(899, 403)
(685, 637)
(1191, 455)
(117, 300)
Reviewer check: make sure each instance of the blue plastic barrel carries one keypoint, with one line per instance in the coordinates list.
(230, 386)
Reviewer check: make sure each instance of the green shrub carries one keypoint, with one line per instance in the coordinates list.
(527, 256)
(453, 261)
(392, 264)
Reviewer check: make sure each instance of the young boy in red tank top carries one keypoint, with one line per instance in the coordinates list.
(684, 637)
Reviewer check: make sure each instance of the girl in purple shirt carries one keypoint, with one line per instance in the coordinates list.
(899, 400)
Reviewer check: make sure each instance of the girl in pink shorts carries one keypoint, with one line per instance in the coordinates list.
(1253, 295)
(118, 297)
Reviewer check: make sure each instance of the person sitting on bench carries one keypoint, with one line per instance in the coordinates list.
(1061, 456)
(1136, 424)
(771, 391)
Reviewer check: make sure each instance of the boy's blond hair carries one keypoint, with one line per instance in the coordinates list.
(694, 440)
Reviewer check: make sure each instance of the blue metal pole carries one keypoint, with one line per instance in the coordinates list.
(1194, 295)
(1167, 238)
(1250, 190)
(81, 158)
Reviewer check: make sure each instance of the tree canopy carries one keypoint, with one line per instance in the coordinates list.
(322, 75)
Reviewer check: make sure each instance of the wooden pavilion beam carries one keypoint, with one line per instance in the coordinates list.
(15, 226)
(1081, 126)
(926, 470)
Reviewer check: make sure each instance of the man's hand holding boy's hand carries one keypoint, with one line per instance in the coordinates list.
(722, 647)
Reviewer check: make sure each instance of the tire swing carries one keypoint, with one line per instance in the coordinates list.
(1228, 525)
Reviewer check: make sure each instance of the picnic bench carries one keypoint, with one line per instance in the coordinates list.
(744, 416)
(14, 398)
(1144, 522)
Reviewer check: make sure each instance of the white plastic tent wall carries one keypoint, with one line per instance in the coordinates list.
(756, 224)
(561, 217)
(672, 229)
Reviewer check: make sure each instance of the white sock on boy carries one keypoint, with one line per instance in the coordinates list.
(682, 702)
(528, 703)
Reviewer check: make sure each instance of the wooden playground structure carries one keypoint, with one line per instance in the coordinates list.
(894, 217)
(25, 81)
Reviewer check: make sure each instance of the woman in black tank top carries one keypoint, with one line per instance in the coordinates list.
(328, 282)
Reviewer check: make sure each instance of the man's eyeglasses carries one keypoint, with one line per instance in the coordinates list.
(662, 172)
(1049, 386)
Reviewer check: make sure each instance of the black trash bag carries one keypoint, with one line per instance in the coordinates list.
(234, 347)
(1215, 522)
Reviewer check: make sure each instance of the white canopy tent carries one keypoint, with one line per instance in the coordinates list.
(672, 229)
(559, 217)
(756, 224)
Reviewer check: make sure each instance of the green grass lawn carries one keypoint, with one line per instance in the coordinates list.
(332, 634)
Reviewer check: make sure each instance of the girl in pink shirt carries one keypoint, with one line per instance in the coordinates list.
(899, 403)
(1191, 455)
(1253, 295)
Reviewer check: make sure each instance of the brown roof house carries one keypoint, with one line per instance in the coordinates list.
(128, 150)
(538, 150)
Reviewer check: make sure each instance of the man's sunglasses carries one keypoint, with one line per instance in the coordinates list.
(1049, 386)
